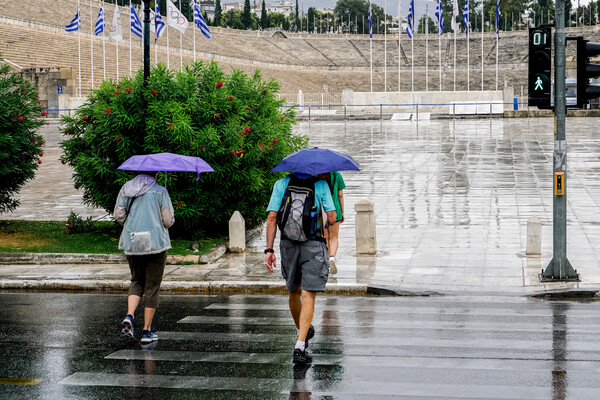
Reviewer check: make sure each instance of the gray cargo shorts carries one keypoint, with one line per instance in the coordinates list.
(305, 264)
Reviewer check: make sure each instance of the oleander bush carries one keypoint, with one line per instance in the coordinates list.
(232, 121)
(21, 147)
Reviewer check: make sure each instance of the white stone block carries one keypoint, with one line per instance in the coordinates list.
(365, 227)
(237, 233)
(401, 116)
(534, 236)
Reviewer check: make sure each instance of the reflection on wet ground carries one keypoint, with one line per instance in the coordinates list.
(452, 199)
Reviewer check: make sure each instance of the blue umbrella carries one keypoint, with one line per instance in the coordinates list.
(316, 161)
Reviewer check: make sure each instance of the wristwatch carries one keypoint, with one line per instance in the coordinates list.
(269, 251)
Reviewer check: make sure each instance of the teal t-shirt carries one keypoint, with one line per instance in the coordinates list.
(337, 183)
(322, 195)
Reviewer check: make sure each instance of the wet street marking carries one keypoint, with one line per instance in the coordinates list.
(19, 381)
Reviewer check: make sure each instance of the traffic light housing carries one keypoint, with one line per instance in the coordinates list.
(540, 67)
(586, 71)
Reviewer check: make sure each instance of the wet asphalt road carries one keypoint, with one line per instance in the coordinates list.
(240, 346)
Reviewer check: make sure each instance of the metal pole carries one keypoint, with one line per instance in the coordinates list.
(146, 42)
(559, 268)
(92, 39)
(482, 48)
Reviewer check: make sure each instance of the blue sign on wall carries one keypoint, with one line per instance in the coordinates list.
(59, 89)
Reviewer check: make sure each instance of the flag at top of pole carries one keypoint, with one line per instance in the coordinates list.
(411, 19)
(136, 25)
(466, 17)
(199, 20)
(370, 19)
(439, 14)
(175, 18)
(454, 25)
(75, 23)
(497, 17)
(159, 25)
(100, 21)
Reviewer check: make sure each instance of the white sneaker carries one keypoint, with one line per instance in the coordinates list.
(332, 265)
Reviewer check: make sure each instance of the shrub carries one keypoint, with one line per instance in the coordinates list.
(233, 122)
(21, 148)
(76, 224)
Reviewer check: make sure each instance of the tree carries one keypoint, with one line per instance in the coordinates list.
(218, 13)
(311, 19)
(357, 11)
(234, 122)
(297, 18)
(21, 148)
(232, 19)
(264, 20)
(278, 20)
(246, 15)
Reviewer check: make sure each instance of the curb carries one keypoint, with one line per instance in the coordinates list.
(191, 287)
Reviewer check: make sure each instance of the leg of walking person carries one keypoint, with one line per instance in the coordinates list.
(295, 302)
(135, 293)
(155, 270)
(333, 242)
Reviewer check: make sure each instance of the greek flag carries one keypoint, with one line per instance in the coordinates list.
(75, 23)
(159, 25)
(136, 25)
(370, 19)
(100, 21)
(200, 22)
(439, 14)
(497, 16)
(411, 19)
(466, 17)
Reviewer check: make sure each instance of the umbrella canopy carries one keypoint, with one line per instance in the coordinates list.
(167, 162)
(316, 161)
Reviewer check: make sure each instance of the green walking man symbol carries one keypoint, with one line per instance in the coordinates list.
(538, 84)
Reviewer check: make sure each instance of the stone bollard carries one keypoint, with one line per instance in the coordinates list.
(366, 241)
(534, 237)
(237, 233)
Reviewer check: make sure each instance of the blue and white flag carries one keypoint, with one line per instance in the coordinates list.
(466, 17)
(370, 19)
(159, 25)
(497, 16)
(75, 23)
(439, 14)
(411, 19)
(136, 25)
(200, 22)
(100, 21)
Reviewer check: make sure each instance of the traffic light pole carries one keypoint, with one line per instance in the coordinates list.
(559, 268)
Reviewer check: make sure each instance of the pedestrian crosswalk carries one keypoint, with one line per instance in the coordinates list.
(444, 347)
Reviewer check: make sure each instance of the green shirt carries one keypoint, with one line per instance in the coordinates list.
(337, 184)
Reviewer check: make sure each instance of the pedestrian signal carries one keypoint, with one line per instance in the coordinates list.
(585, 71)
(540, 66)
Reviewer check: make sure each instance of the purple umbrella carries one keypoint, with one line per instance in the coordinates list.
(316, 161)
(167, 162)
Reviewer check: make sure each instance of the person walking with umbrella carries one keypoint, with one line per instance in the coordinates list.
(145, 210)
(297, 205)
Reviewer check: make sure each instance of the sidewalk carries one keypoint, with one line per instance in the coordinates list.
(452, 199)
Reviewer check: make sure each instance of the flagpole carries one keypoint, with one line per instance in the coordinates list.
(468, 54)
(79, 45)
(426, 47)
(168, 47)
(497, 34)
(440, 43)
(454, 61)
(371, 60)
(130, 37)
(104, 41)
(482, 47)
(194, 31)
(92, 40)
(180, 45)
(412, 53)
(399, 42)
(384, 45)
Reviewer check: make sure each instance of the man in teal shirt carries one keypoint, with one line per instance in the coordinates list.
(304, 265)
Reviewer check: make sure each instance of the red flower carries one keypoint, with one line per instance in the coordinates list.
(47, 123)
(242, 134)
(249, 222)
(219, 84)
(281, 119)
(85, 117)
(16, 85)
(260, 145)
(41, 143)
(19, 113)
(216, 115)
(275, 140)
(270, 147)
(247, 129)
(247, 107)
(66, 231)
(230, 98)
(153, 92)
(201, 147)
(69, 226)
(34, 140)
(117, 93)
(118, 86)
(107, 111)
(170, 126)
(118, 138)
(265, 91)
(39, 161)
(42, 154)
(68, 222)
(62, 161)
(179, 205)
(20, 119)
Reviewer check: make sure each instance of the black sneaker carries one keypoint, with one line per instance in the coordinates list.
(302, 357)
(309, 335)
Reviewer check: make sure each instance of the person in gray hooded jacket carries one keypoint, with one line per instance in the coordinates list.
(145, 210)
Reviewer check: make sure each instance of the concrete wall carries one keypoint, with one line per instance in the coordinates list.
(47, 82)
